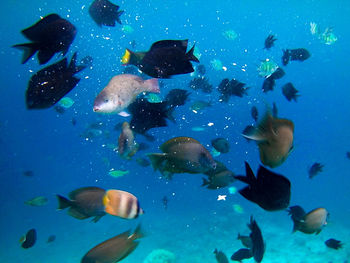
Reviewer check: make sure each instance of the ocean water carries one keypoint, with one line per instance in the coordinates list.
(195, 222)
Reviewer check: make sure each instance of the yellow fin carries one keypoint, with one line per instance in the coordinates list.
(126, 57)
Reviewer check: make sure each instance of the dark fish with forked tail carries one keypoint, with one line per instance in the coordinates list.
(299, 54)
(258, 248)
(333, 243)
(103, 12)
(269, 41)
(220, 256)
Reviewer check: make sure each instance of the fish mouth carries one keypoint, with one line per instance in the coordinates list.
(96, 109)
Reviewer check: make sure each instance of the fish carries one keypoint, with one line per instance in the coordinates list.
(348, 155)
(143, 162)
(50, 84)
(37, 201)
(269, 41)
(333, 243)
(198, 129)
(274, 138)
(50, 35)
(165, 202)
(245, 240)
(164, 59)
(59, 109)
(278, 74)
(219, 177)
(221, 145)
(176, 97)
(121, 91)
(66, 102)
(254, 113)
(240, 254)
(114, 249)
(127, 146)
(311, 222)
(299, 54)
(232, 87)
(268, 84)
(248, 130)
(51, 239)
(182, 155)
(199, 105)
(290, 92)
(201, 83)
(28, 173)
(84, 203)
(74, 121)
(220, 256)
(267, 67)
(103, 12)
(29, 239)
(315, 169)
(117, 173)
(269, 190)
(258, 248)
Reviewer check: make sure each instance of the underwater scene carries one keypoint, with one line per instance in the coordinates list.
(175, 131)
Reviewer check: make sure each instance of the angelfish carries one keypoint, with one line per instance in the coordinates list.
(121, 91)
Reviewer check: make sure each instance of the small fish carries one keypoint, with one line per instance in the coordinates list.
(238, 208)
(269, 190)
(232, 190)
(51, 238)
(198, 129)
(240, 254)
(127, 146)
(37, 201)
(201, 83)
(176, 97)
(121, 91)
(315, 169)
(274, 138)
(50, 84)
(51, 34)
(103, 12)
(258, 248)
(216, 64)
(220, 256)
(29, 239)
(230, 34)
(221, 145)
(232, 87)
(245, 240)
(66, 102)
(269, 41)
(117, 173)
(115, 249)
(290, 92)
(28, 173)
(333, 243)
(199, 105)
(254, 113)
(267, 68)
(74, 121)
(268, 84)
(279, 73)
(165, 202)
(143, 162)
(182, 155)
(299, 54)
(164, 59)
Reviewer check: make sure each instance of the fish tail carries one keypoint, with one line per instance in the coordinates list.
(157, 159)
(63, 202)
(118, 16)
(152, 85)
(191, 56)
(137, 233)
(29, 50)
(73, 66)
(127, 56)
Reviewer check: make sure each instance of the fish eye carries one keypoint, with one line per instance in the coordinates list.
(106, 100)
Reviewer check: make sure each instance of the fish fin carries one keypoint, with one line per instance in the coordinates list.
(124, 114)
(318, 231)
(29, 50)
(63, 202)
(249, 178)
(191, 56)
(152, 85)
(44, 55)
(73, 66)
(157, 159)
(97, 218)
(205, 182)
(73, 194)
(77, 214)
(248, 194)
(118, 17)
(127, 57)
(137, 233)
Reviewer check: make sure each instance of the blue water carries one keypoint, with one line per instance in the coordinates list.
(195, 223)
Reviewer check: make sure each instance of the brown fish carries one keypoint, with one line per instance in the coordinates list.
(218, 177)
(274, 138)
(182, 155)
(115, 249)
(312, 222)
(127, 146)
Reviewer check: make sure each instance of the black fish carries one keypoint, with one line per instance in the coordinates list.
(220, 256)
(269, 41)
(201, 69)
(50, 84)
(315, 169)
(290, 92)
(269, 84)
(29, 239)
(201, 83)
(333, 243)
(348, 155)
(165, 202)
(49, 35)
(176, 97)
(221, 145)
(105, 13)
(296, 212)
(51, 239)
(269, 190)
(231, 87)
(299, 54)
(243, 253)
(164, 59)
(28, 173)
(254, 112)
(258, 248)
(279, 73)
